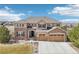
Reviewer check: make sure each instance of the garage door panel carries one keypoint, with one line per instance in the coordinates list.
(56, 37)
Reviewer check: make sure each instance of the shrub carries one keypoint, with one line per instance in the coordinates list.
(4, 34)
(74, 36)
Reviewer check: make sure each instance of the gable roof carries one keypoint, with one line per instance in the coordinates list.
(38, 19)
(47, 31)
(56, 28)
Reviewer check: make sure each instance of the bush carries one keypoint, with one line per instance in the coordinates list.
(74, 36)
(4, 35)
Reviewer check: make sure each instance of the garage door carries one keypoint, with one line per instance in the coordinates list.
(42, 37)
(56, 37)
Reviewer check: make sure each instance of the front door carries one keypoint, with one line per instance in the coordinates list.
(31, 35)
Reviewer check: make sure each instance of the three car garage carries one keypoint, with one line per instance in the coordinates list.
(55, 34)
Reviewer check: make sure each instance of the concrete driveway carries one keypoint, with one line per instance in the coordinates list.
(55, 48)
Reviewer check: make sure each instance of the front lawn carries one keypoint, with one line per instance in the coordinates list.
(15, 49)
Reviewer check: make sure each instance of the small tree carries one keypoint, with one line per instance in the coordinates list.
(4, 35)
(74, 36)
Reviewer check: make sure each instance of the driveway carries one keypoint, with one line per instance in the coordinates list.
(55, 48)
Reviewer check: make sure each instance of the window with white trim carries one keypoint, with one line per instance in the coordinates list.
(20, 33)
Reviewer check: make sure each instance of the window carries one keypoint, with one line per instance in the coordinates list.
(17, 34)
(42, 25)
(39, 25)
(29, 25)
(49, 26)
(18, 25)
(20, 33)
(34, 25)
(22, 25)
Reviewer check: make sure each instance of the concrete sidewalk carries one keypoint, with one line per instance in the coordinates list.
(55, 48)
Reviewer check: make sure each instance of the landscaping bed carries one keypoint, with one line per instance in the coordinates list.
(15, 48)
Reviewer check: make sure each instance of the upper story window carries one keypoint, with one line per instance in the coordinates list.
(22, 25)
(16, 25)
(34, 25)
(49, 26)
(29, 25)
(19, 25)
(41, 25)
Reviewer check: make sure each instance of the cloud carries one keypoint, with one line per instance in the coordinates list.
(69, 10)
(7, 14)
(49, 13)
(7, 8)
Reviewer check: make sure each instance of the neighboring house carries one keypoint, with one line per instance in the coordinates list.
(40, 29)
(11, 30)
(10, 26)
(69, 26)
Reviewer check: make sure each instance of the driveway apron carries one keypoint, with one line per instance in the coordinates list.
(55, 48)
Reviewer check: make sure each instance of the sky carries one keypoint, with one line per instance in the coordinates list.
(61, 12)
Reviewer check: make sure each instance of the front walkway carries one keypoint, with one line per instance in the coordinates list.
(55, 48)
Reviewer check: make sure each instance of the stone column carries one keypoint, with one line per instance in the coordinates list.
(46, 26)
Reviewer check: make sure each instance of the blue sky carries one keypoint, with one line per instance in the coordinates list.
(62, 12)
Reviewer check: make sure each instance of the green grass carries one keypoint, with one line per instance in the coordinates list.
(15, 49)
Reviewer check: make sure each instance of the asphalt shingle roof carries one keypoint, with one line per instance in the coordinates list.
(38, 19)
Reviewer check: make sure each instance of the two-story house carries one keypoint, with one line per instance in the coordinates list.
(40, 29)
